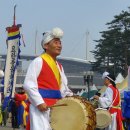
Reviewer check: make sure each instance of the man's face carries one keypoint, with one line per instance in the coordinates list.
(106, 81)
(54, 47)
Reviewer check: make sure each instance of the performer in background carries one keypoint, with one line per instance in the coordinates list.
(111, 100)
(45, 82)
(14, 111)
(21, 100)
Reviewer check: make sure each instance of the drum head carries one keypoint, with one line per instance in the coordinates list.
(70, 117)
(103, 118)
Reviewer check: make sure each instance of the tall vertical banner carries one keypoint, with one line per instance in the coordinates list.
(13, 55)
(13, 42)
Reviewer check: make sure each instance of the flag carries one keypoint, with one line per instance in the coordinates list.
(13, 55)
(13, 50)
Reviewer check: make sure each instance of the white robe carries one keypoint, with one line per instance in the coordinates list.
(40, 120)
(106, 101)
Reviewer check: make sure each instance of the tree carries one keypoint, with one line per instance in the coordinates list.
(112, 51)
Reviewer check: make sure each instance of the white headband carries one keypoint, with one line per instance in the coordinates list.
(105, 75)
(48, 36)
(110, 78)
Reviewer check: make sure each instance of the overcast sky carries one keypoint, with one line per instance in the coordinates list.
(75, 17)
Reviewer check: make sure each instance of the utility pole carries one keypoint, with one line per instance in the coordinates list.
(87, 41)
(36, 42)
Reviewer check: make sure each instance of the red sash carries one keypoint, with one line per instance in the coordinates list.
(116, 107)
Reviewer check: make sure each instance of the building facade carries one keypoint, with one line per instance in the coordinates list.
(74, 70)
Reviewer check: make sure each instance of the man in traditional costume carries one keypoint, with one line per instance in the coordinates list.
(45, 82)
(111, 100)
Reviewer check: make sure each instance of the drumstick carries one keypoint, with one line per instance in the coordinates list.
(57, 105)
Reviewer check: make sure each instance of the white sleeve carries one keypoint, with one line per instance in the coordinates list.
(30, 83)
(65, 91)
(106, 99)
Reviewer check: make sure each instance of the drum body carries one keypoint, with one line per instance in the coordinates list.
(103, 118)
(79, 114)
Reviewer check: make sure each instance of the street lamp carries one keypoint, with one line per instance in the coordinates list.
(88, 78)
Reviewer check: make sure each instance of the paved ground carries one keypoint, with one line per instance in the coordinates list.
(8, 127)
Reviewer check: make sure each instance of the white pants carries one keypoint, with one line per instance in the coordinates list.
(39, 120)
(113, 125)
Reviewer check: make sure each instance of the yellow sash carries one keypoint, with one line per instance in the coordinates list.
(25, 113)
(52, 64)
(24, 104)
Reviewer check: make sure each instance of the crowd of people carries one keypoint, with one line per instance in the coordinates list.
(45, 83)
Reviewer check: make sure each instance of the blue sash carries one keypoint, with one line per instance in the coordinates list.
(48, 93)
